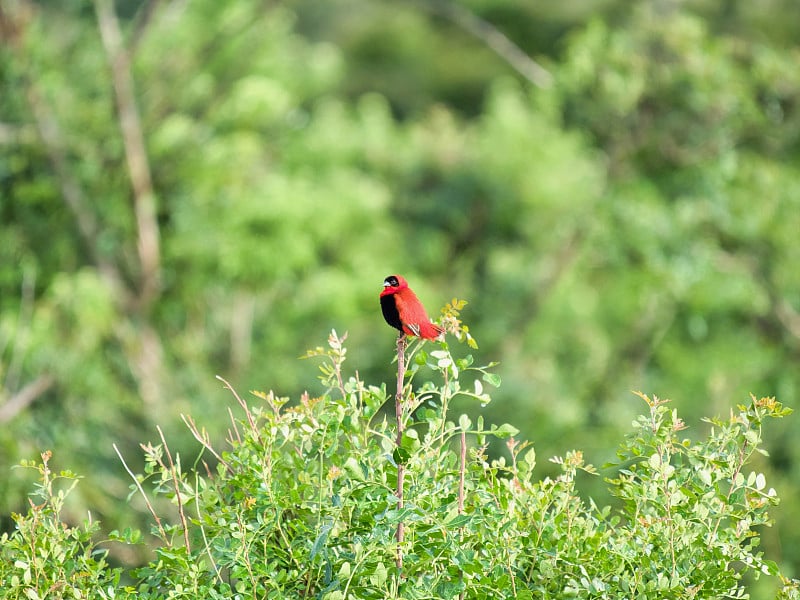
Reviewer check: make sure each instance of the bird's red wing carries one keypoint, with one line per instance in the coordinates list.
(413, 316)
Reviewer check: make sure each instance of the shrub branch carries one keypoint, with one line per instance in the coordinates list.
(398, 411)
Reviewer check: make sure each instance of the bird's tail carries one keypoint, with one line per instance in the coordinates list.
(428, 331)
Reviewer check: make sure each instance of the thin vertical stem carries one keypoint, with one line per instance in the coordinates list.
(138, 485)
(401, 468)
(176, 485)
(461, 470)
(462, 467)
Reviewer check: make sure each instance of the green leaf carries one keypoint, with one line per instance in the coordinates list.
(530, 457)
(344, 571)
(319, 542)
(379, 575)
(752, 436)
(504, 431)
(400, 455)
(459, 521)
(705, 476)
(492, 379)
(464, 422)
(465, 362)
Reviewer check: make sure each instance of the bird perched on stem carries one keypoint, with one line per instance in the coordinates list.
(403, 310)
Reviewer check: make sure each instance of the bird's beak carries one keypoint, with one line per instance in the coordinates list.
(386, 284)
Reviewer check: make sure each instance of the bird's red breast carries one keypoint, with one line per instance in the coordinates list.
(404, 311)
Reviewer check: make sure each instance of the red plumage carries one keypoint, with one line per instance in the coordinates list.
(403, 310)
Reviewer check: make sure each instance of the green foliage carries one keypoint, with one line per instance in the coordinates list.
(693, 506)
(46, 558)
(633, 226)
(302, 504)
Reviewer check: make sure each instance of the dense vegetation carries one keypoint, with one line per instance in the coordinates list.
(308, 501)
(200, 188)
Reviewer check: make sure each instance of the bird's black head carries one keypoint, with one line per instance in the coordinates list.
(391, 281)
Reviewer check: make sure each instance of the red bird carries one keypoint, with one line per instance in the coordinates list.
(403, 310)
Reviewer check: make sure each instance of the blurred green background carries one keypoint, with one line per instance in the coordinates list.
(199, 188)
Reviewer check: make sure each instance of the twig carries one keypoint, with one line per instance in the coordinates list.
(174, 474)
(462, 467)
(202, 437)
(235, 430)
(494, 39)
(244, 406)
(461, 470)
(401, 468)
(144, 496)
(19, 401)
(144, 203)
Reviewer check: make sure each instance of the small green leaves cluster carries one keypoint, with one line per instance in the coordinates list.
(301, 503)
(452, 323)
(46, 558)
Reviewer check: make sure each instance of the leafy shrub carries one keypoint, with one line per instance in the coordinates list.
(44, 557)
(304, 504)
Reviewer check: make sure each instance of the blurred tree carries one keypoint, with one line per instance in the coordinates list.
(122, 312)
(205, 187)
